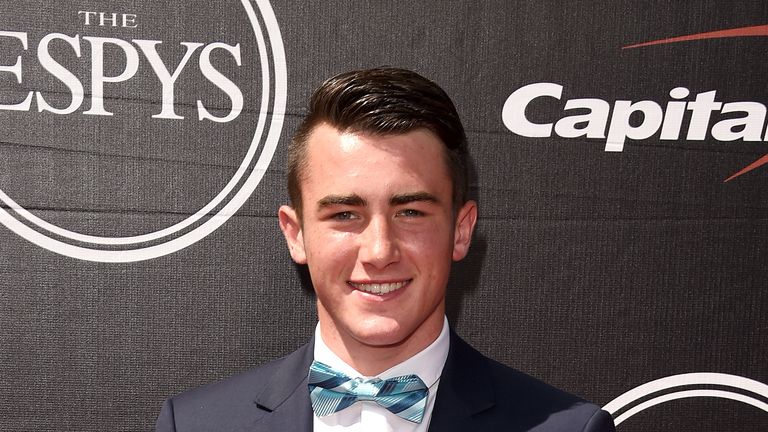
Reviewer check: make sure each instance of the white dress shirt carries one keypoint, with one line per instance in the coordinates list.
(367, 416)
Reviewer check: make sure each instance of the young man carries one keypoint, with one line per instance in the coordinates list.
(377, 180)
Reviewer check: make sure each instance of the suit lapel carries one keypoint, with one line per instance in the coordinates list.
(285, 399)
(465, 389)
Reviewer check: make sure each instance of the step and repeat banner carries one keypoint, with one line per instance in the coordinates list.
(620, 165)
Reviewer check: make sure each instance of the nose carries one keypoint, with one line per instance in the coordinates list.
(378, 244)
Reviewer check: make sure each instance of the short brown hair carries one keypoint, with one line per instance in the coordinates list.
(382, 101)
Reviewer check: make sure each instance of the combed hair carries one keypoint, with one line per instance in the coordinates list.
(382, 101)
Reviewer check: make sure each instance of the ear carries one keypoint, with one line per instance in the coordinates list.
(466, 218)
(291, 227)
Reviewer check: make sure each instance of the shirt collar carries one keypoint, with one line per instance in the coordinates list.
(427, 364)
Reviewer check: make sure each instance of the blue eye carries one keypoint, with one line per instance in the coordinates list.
(344, 216)
(410, 213)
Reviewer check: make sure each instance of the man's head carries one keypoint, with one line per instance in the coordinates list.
(382, 101)
(378, 169)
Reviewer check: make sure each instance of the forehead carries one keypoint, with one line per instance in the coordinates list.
(336, 159)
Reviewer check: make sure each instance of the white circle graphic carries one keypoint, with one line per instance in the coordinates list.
(275, 113)
(744, 385)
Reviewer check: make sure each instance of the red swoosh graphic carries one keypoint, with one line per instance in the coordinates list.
(759, 30)
(756, 164)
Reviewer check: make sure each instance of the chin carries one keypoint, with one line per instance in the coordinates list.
(380, 334)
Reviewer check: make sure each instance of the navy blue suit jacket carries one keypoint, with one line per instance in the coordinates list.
(475, 394)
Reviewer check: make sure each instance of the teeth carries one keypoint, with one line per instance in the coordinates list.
(378, 288)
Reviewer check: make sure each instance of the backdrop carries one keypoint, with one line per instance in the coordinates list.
(142, 146)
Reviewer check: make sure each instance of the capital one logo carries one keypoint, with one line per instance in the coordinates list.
(235, 78)
(613, 121)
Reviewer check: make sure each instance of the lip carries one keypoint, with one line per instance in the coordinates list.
(379, 289)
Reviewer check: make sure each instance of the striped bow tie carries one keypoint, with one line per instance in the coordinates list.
(332, 391)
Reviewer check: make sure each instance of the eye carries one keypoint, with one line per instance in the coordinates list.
(345, 215)
(410, 213)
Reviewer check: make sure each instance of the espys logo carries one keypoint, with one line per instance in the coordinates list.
(692, 385)
(141, 100)
(595, 114)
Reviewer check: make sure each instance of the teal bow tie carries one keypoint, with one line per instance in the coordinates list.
(331, 391)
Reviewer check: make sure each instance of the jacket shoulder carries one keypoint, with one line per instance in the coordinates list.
(546, 408)
(498, 397)
(231, 403)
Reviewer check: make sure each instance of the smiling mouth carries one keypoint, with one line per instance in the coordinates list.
(379, 288)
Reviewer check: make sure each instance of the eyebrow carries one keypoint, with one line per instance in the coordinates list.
(406, 198)
(349, 200)
(357, 201)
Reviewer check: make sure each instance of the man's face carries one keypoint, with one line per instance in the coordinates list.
(379, 234)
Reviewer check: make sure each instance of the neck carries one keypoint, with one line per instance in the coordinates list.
(370, 357)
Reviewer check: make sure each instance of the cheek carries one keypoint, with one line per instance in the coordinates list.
(329, 253)
(434, 240)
